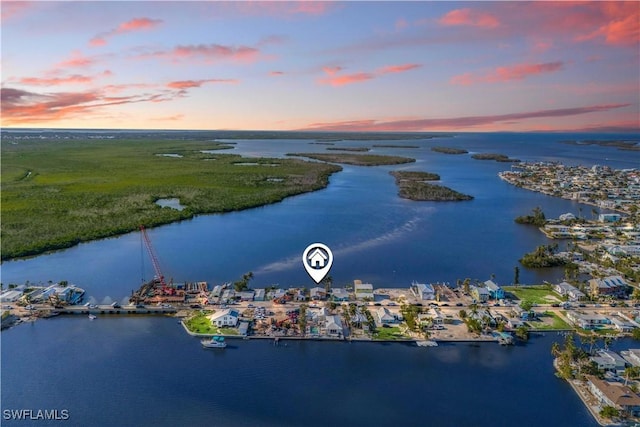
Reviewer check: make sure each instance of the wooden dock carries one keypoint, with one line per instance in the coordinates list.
(108, 309)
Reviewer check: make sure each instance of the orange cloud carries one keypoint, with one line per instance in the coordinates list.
(452, 123)
(347, 79)
(135, 24)
(188, 84)
(398, 68)
(336, 79)
(512, 72)
(77, 60)
(469, 17)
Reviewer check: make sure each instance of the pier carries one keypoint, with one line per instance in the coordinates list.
(108, 309)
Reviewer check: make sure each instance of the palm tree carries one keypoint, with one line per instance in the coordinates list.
(555, 349)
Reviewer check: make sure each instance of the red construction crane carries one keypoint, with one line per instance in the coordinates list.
(154, 260)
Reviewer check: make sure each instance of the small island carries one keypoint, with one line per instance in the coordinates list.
(495, 156)
(449, 150)
(412, 186)
(356, 159)
(356, 149)
(620, 145)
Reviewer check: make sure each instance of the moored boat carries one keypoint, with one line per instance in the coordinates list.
(214, 342)
(427, 343)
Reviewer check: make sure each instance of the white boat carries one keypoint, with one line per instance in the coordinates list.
(427, 343)
(214, 342)
(92, 316)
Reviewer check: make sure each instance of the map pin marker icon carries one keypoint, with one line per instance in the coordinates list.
(317, 260)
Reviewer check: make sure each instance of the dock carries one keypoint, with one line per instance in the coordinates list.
(108, 309)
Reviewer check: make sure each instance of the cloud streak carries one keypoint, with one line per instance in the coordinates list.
(335, 78)
(188, 84)
(135, 24)
(511, 72)
(454, 122)
(469, 17)
(208, 52)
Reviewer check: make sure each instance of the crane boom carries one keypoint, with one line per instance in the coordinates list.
(152, 255)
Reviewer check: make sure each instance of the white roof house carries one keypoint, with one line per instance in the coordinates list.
(333, 325)
(384, 316)
(228, 317)
(363, 290)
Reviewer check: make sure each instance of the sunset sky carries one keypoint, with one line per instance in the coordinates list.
(353, 66)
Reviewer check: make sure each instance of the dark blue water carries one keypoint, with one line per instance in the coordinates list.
(147, 371)
(375, 235)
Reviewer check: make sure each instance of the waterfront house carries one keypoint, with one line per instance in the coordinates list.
(614, 286)
(228, 317)
(632, 356)
(570, 291)
(514, 323)
(621, 324)
(615, 395)
(246, 295)
(479, 293)
(608, 361)
(259, 295)
(495, 291)
(333, 326)
(384, 316)
(339, 294)
(609, 217)
(363, 291)
(435, 316)
(423, 291)
(228, 295)
(588, 321)
(317, 294)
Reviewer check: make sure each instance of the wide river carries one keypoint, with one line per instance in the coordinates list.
(147, 371)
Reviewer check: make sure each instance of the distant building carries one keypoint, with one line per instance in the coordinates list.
(615, 395)
(317, 294)
(588, 321)
(384, 317)
(632, 356)
(480, 293)
(495, 291)
(259, 295)
(246, 295)
(422, 291)
(570, 291)
(609, 361)
(614, 286)
(339, 294)
(609, 217)
(363, 290)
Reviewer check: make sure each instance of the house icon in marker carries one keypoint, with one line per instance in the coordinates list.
(317, 258)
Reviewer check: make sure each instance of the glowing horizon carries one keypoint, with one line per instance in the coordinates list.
(322, 66)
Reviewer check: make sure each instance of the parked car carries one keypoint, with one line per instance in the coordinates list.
(459, 304)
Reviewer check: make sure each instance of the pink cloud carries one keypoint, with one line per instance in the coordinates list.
(512, 72)
(283, 8)
(209, 52)
(188, 84)
(11, 9)
(56, 81)
(398, 68)
(469, 17)
(276, 73)
(453, 123)
(346, 79)
(337, 79)
(77, 60)
(135, 24)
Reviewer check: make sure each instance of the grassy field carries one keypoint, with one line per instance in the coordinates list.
(57, 193)
(549, 320)
(535, 294)
(200, 324)
(356, 159)
(387, 334)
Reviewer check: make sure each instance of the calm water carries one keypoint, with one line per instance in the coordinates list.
(147, 371)
(375, 235)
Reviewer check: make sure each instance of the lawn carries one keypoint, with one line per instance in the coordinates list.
(58, 193)
(549, 320)
(535, 294)
(392, 333)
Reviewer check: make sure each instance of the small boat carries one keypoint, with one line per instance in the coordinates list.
(92, 317)
(214, 342)
(427, 343)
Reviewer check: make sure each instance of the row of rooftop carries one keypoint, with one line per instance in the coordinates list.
(607, 188)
